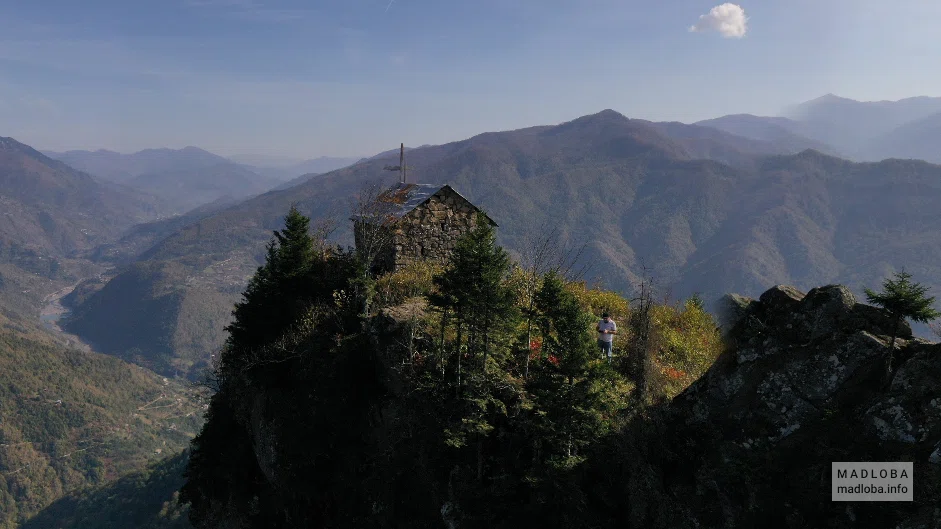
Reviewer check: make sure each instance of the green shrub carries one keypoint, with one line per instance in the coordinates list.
(413, 280)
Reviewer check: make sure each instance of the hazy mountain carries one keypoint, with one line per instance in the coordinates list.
(858, 130)
(296, 181)
(852, 126)
(185, 178)
(635, 196)
(778, 131)
(871, 116)
(124, 167)
(265, 160)
(324, 164)
(286, 169)
(73, 419)
(190, 188)
(918, 139)
(710, 143)
(50, 214)
(142, 236)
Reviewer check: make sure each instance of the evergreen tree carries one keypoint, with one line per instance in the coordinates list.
(570, 385)
(482, 306)
(297, 275)
(903, 299)
(482, 309)
(278, 293)
(295, 245)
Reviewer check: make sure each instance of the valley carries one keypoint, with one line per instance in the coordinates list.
(53, 311)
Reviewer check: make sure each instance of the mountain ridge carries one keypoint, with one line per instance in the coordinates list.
(53, 212)
(859, 130)
(187, 178)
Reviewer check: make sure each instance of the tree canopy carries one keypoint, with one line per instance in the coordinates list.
(904, 298)
(441, 386)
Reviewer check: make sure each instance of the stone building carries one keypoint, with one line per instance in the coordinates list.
(415, 222)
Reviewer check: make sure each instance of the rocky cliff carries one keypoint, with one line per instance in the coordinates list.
(748, 445)
(751, 443)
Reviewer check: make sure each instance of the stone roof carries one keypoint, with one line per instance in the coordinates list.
(404, 198)
(409, 196)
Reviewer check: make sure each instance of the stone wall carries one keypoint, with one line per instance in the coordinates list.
(430, 231)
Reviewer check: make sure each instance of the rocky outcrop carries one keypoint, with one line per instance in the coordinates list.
(337, 439)
(801, 386)
(730, 309)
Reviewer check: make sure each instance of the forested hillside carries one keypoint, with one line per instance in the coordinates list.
(72, 419)
(146, 499)
(53, 210)
(50, 214)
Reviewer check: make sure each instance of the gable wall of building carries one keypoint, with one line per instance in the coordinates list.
(430, 231)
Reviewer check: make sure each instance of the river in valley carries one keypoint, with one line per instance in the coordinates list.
(53, 311)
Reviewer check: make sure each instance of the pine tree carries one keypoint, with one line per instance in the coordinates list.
(277, 294)
(903, 299)
(295, 245)
(473, 289)
(483, 311)
(569, 382)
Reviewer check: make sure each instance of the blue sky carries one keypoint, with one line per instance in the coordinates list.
(351, 77)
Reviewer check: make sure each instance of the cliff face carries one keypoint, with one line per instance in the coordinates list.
(748, 445)
(751, 443)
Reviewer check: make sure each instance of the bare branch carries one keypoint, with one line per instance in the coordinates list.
(935, 328)
(373, 214)
(545, 251)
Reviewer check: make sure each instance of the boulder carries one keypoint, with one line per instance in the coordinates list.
(778, 306)
(751, 442)
(781, 297)
(879, 321)
(731, 308)
(826, 310)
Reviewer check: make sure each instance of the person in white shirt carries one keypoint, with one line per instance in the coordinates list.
(606, 331)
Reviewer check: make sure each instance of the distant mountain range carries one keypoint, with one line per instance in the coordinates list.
(287, 168)
(185, 178)
(860, 131)
(702, 209)
(55, 208)
(777, 130)
(50, 214)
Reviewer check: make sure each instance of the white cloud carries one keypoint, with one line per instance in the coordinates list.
(728, 19)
